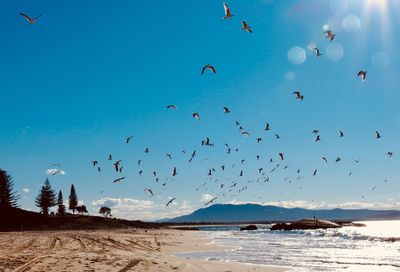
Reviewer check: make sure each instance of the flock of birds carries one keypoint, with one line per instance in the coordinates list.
(229, 185)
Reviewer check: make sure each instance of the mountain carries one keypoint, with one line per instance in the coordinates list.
(219, 213)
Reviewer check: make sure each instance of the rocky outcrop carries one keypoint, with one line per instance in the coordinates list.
(305, 224)
(249, 227)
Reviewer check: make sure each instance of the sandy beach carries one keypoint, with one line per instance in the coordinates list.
(110, 250)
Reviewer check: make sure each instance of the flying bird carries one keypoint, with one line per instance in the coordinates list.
(169, 156)
(281, 155)
(116, 165)
(128, 139)
(362, 74)
(171, 107)
(174, 173)
(228, 13)
(338, 159)
(209, 67)
(390, 154)
(146, 150)
(267, 127)
(226, 110)
(169, 202)
(377, 135)
(150, 191)
(211, 201)
(110, 157)
(315, 172)
(325, 159)
(94, 163)
(317, 52)
(298, 95)
(330, 35)
(341, 134)
(315, 131)
(30, 20)
(318, 138)
(246, 27)
(245, 133)
(196, 115)
(259, 140)
(118, 179)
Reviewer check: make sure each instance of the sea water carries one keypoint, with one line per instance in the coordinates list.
(374, 248)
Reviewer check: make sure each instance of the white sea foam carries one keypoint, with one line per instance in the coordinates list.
(372, 248)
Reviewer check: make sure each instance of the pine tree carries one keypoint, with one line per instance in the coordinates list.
(8, 198)
(46, 198)
(60, 204)
(73, 199)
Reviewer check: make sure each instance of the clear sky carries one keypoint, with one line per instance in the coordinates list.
(88, 74)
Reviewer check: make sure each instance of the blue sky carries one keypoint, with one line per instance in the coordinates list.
(89, 74)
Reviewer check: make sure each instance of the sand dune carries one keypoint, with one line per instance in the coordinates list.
(114, 250)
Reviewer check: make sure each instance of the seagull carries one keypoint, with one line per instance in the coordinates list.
(325, 159)
(55, 165)
(139, 162)
(118, 179)
(174, 173)
(330, 35)
(150, 191)
(226, 110)
(209, 172)
(169, 202)
(362, 74)
(30, 20)
(99, 169)
(211, 201)
(241, 173)
(237, 123)
(120, 170)
(341, 134)
(318, 138)
(267, 127)
(110, 157)
(228, 13)
(298, 95)
(281, 155)
(140, 172)
(259, 140)
(338, 159)
(223, 167)
(246, 27)
(155, 173)
(277, 136)
(390, 154)
(317, 52)
(196, 115)
(128, 139)
(171, 107)
(245, 133)
(116, 165)
(315, 131)
(210, 67)
(146, 150)
(258, 157)
(377, 135)
(315, 172)
(169, 156)
(94, 163)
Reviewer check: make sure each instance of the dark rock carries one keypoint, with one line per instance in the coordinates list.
(249, 227)
(306, 224)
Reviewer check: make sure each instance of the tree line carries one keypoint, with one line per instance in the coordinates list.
(45, 200)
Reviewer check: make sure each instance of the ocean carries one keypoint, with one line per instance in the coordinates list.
(374, 248)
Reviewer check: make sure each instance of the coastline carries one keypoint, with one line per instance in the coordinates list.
(112, 250)
(197, 242)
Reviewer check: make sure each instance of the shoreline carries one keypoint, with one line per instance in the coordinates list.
(200, 243)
